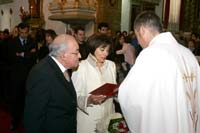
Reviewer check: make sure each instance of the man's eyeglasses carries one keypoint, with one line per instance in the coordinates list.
(75, 53)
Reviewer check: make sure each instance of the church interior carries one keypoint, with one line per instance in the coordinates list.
(181, 17)
(63, 15)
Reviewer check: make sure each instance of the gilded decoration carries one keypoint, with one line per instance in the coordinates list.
(191, 94)
(34, 17)
(73, 11)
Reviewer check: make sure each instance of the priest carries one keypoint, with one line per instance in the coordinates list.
(161, 92)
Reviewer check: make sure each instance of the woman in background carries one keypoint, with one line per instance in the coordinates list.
(48, 37)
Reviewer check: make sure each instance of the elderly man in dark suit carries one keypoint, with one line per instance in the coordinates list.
(51, 103)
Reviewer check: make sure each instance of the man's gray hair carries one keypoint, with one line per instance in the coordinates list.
(56, 49)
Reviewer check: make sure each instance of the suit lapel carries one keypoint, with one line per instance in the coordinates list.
(60, 76)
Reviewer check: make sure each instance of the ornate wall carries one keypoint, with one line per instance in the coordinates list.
(109, 11)
(106, 10)
(80, 12)
(190, 16)
(5, 1)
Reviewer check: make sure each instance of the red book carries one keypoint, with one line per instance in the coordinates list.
(108, 89)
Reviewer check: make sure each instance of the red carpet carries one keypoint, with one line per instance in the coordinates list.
(5, 121)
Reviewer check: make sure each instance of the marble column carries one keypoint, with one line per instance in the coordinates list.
(126, 15)
(5, 20)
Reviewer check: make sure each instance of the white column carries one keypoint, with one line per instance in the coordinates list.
(5, 20)
(160, 9)
(174, 15)
(126, 15)
(89, 29)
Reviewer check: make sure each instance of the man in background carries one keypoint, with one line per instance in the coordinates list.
(79, 33)
(20, 57)
(103, 28)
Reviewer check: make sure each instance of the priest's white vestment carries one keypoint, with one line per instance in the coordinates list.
(161, 93)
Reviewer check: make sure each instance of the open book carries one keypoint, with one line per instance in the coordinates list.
(108, 89)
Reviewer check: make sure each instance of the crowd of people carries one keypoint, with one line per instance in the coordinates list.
(47, 78)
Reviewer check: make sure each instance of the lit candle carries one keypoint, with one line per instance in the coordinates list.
(31, 11)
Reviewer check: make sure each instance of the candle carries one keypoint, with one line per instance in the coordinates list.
(31, 11)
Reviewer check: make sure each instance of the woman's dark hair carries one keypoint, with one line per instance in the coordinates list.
(98, 40)
(51, 33)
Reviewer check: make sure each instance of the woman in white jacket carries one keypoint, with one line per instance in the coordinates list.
(91, 74)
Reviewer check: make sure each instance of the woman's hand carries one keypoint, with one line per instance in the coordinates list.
(96, 99)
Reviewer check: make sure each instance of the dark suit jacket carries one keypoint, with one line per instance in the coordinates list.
(20, 66)
(51, 100)
(14, 46)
